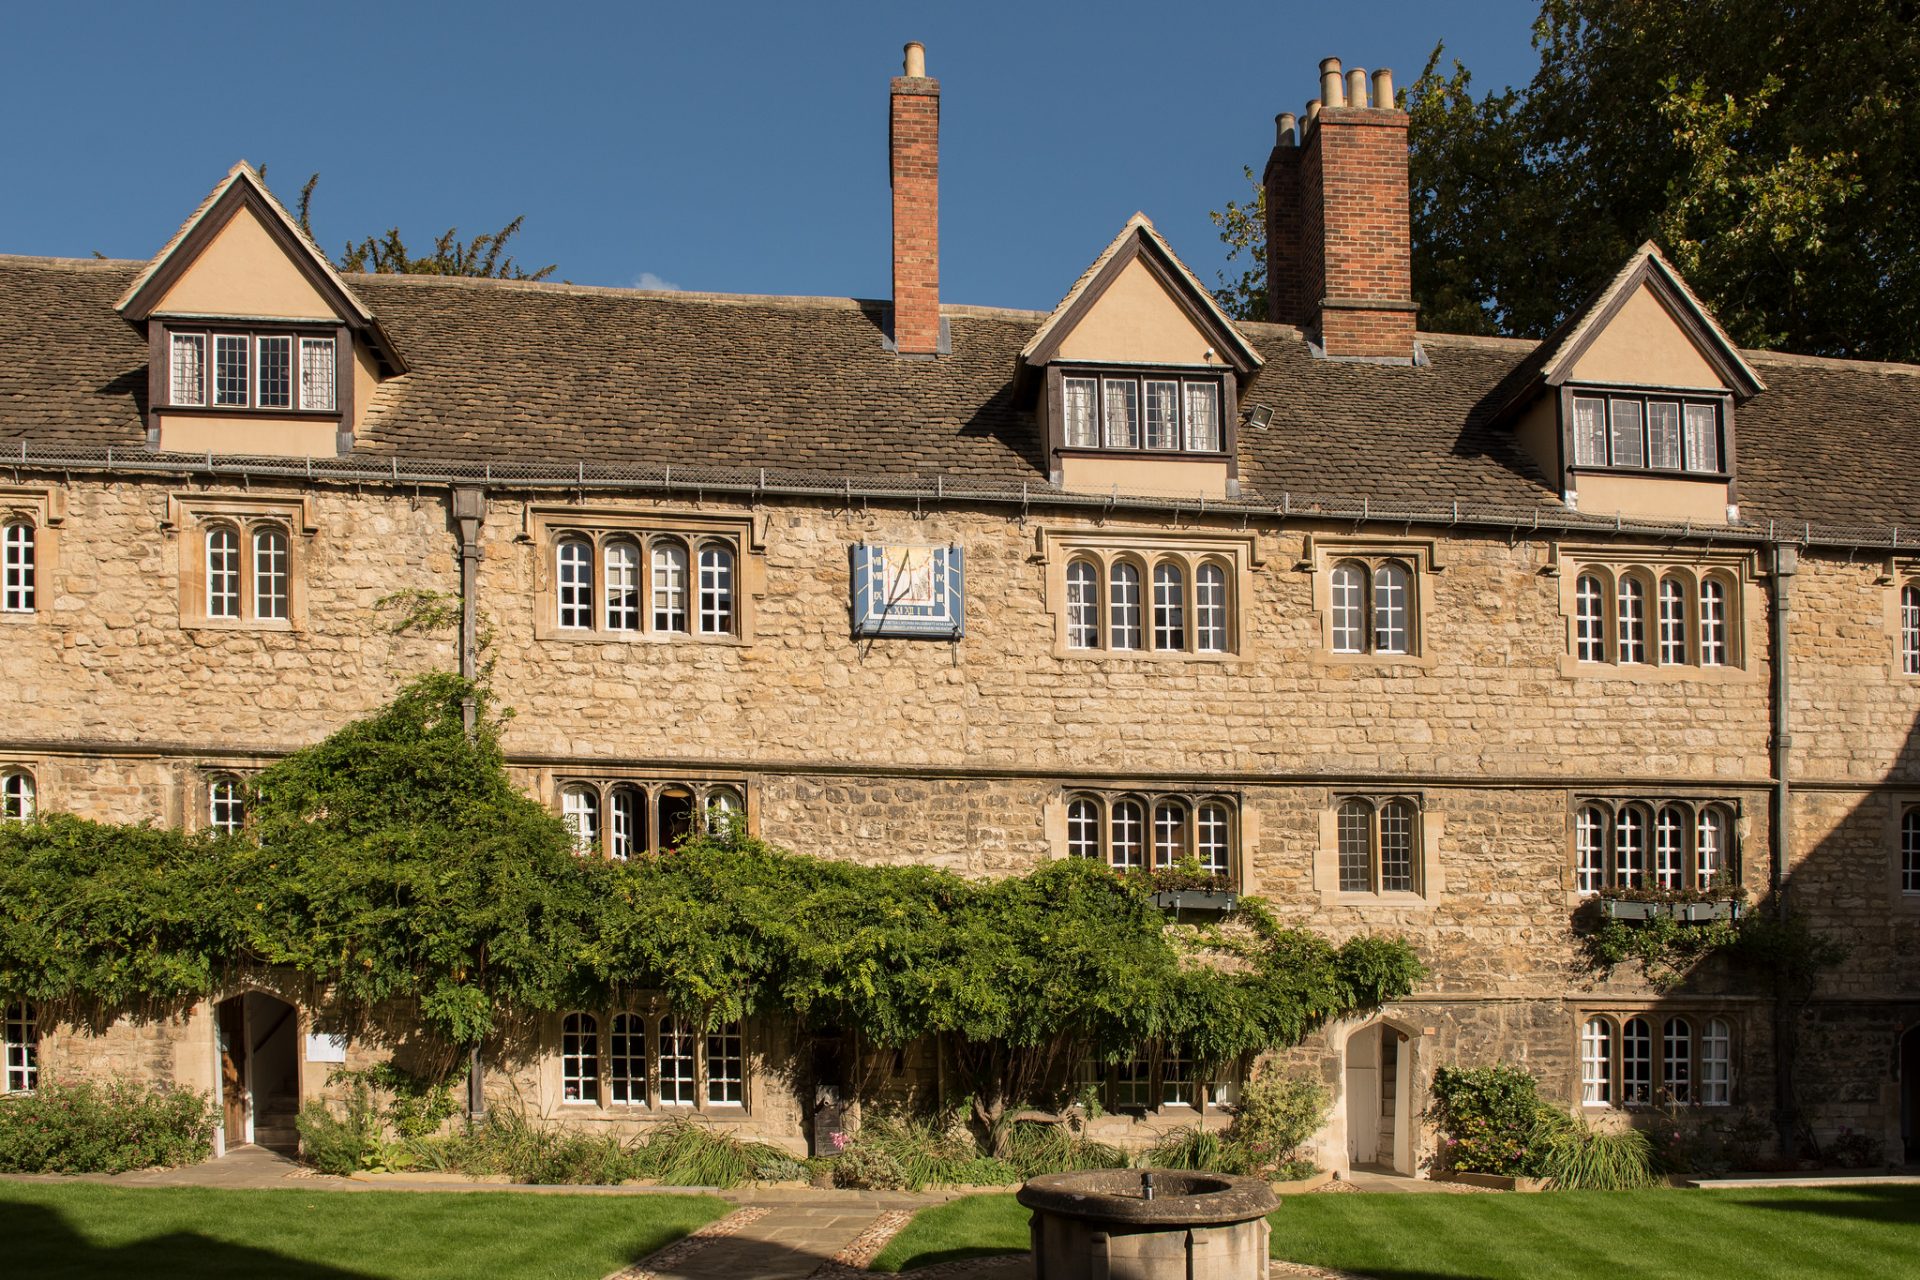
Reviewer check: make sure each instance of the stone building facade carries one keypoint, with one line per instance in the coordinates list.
(1361, 609)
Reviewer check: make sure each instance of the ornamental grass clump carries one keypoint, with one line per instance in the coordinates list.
(103, 1128)
(1035, 1147)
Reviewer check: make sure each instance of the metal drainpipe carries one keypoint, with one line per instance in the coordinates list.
(1785, 563)
(469, 512)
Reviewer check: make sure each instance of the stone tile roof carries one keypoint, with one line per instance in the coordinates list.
(506, 372)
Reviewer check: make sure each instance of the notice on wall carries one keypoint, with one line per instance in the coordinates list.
(326, 1048)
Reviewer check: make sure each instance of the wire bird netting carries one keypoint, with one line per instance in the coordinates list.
(770, 482)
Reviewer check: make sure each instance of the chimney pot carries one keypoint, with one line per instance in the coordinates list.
(1283, 130)
(1357, 87)
(916, 65)
(1330, 90)
(1313, 114)
(1383, 89)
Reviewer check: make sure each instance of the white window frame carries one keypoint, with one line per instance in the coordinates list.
(668, 562)
(223, 572)
(1169, 606)
(319, 375)
(226, 803)
(1697, 849)
(272, 573)
(1083, 603)
(718, 574)
(1596, 1062)
(222, 344)
(289, 370)
(726, 1066)
(21, 1021)
(19, 795)
(621, 587)
(679, 1072)
(1636, 1042)
(1125, 632)
(628, 1079)
(1590, 618)
(580, 810)
(19, 556)
(580, 1060)
(191, 373)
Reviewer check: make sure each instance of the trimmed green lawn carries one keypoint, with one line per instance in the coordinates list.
(74, 1229)
(1771, 1234)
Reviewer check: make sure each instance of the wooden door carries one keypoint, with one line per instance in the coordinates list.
(233, 1072)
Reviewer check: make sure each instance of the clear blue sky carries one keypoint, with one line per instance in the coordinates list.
(719, 146)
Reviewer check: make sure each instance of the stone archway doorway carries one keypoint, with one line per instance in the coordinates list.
(1378, 1098)
(259, 1072)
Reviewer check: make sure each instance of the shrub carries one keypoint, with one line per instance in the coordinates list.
(1035, 1147)
(1579, 1158)
(898, 1152)
(1493, 1120)
(1274, 1116)
(1855, 1150)
(685, 1153)
(103, 1128)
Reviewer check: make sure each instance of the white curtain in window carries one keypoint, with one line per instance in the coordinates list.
(1122, 396)
(1589, 432)
(189, 369)
(1203, 417)
(1663, 434)
(317, 377)
(1703, 438)
(1082, 425)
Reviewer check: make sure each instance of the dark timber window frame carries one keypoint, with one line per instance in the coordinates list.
(169, 333)
(1607, 395)
(1106, 380)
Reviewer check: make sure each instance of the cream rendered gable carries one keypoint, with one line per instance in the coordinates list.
(1136, 321)
(242, 271)
(1642, 345)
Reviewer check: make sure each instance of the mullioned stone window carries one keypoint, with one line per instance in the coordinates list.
(1372, 597)
(1381, 849)
(1140, 829)
(1158, 1077)
(619, 818)
(30, 520)
(633, 1060)
(640, 576)
(1638, 843)
(1631, 613)
(21, 1043)
(1656, 1058)
(1147, 593)
(241, 560)
(19, 797)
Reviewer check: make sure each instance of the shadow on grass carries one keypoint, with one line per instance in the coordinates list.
(39, 1242)
(1891, 1206)
(963, 1253)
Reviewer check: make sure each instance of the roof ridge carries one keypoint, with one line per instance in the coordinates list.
(54, 260)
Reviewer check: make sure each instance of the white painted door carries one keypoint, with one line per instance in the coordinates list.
(1363, 1111)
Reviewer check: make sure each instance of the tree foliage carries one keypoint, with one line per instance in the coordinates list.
(1772, 150)
(396, 861)
(485, 255)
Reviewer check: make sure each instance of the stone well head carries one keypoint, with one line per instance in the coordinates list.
(1148, 1224)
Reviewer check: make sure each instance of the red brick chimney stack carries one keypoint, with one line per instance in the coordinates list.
(914, 142)
(1339, 237)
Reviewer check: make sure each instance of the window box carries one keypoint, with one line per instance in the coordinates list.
(1700, 912)
(1194, 899)
(1620, 909)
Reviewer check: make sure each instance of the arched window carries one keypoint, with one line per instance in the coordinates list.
(1596, 1062)
(1630, 848)
(1349, 594)
(1676, 1060)
(1590, 849)
(726, 1065)
(1713, 847)
(17, 568)
(1670, 848)
(1213, 838)
(1716, 1064)
(1354, 824)
(1210, 609)
(573, 582)
(16, 796)
(1083, 605)
(627, 1060)
(1713, 623)
(1673, 622)
(626, 822)
(669, 586)
(1133, 1081)
(621, 585)
(716, 590)
(1391, 628)
(1396, 847)
(1083, 828)
(677, 1080)
(723, 804)
(1127, 840)
(223, 572)
(1169, 833)
(1590, 619)
(226, 804)
(1633, 620)
(1636, 1063)
(675, 810)
(580, 1059)
(1910, 850)
(580, 810)
(22, 1043)
(1123, 607)
(1169, 607)
(1910, 629)
(270, 576)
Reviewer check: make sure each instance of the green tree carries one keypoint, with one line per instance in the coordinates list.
(485, 255)
(1773, 150)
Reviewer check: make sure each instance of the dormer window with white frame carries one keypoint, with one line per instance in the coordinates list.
(1155, 412)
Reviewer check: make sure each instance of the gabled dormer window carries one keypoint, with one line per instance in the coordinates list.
(1648, 431)
(253, 370)
(1161, 412)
